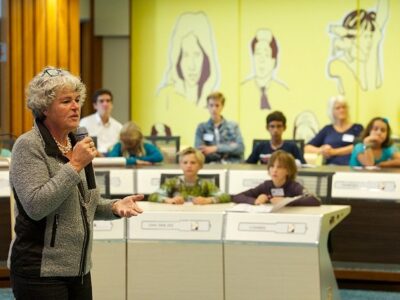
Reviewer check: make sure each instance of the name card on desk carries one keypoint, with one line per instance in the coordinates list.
(109, 230)
(176, 225)
(359, 185)
(4, 184)
(241, 180)
(272, 228)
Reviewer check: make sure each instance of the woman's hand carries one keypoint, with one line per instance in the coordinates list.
(261, 199)
(175, 200)
(326, 151)
(127, 207)
(82, 154)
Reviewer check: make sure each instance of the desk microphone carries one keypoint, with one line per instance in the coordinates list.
(80, 134)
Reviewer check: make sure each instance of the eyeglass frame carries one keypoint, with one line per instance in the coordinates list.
(52, 72)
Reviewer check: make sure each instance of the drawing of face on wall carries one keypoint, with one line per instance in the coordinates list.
(264, 57)
(193, 69)
(356, 47)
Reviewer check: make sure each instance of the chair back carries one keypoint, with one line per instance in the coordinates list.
(168, 145)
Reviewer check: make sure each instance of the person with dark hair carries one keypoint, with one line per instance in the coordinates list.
(377, 147)
(264, 54)
(218, 139)
(192, 70)
(50, 255)
(100, 124)
(275, 125)
(282, 169)
(357, 52)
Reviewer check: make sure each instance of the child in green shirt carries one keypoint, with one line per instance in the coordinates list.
(189, 186)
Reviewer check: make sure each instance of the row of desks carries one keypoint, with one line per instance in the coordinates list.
(209, 252)
(327, 182)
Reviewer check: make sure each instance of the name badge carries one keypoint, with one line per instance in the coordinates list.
(208, 137)
(349, 138)
(277, 192)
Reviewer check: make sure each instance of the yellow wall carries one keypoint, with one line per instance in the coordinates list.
(304, 43)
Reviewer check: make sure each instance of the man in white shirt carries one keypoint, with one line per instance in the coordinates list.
(101, 124)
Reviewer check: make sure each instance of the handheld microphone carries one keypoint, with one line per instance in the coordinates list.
(80, 134)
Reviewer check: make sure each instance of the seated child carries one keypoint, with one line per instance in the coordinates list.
(377, 147)
(189, 187)
(282, 169)
(133, 147)
(276, 125)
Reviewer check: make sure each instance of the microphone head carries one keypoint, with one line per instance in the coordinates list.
(81, 133)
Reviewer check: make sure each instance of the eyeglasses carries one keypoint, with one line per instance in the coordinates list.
(52, 72)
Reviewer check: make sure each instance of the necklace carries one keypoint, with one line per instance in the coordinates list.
(64, 149)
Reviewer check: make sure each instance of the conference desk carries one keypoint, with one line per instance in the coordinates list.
(366, 245)
(208, 252)
(366, 240)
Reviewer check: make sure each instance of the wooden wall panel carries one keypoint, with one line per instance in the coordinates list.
(16, 67)
(74, 37)
(63, 35)
(42, 32)
(40, 35)
(51, 32)
(28, 58)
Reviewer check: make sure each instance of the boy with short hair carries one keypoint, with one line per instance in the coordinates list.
(276, 125)
(189, 187)
(218, 139)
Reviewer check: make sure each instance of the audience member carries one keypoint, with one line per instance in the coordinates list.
(218, 139)
(282, 169)
(189, 187)
(276, 125)
(100, 124)
(335, 141)
(377, 148)
(133, 147)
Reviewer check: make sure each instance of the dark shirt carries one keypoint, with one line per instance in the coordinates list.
(328, 135)
(265, 148)
(290, 189)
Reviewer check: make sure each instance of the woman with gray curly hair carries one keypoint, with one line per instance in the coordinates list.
(55, 206)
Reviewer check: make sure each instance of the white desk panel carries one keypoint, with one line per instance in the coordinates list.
(177, 226)
(122, 181)
(241, 180)
(366, 185)
(4, 184)
(282, 228)
(109, 230)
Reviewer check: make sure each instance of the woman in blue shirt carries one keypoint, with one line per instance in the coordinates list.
(377, 148)
(133, 148)
(335, 141)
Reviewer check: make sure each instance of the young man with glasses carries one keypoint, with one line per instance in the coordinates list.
(100, 124)
(276, 125)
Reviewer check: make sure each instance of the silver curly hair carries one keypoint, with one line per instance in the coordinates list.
(43, 88)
